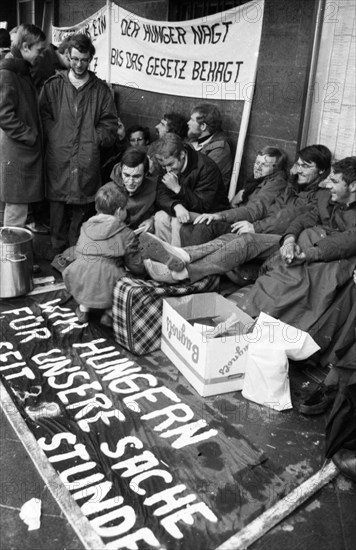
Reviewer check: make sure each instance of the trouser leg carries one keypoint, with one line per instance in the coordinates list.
(228, 252)
(59, 224)
(79, 214)
(15, 214)
(176, 227)
(200, 233)
(163, 226)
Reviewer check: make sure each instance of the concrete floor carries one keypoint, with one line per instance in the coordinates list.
(325, 521)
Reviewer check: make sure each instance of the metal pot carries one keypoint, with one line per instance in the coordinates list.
(16, 261)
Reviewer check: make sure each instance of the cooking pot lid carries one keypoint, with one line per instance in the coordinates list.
(14, 235)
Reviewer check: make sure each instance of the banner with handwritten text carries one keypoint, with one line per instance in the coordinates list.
(150, 463)
(216, 54)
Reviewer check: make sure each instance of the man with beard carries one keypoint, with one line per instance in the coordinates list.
(172, 122)
(205, 135)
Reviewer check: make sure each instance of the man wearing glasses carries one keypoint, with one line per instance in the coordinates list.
(79, 118)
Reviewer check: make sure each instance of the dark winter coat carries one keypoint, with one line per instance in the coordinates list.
(77, 122)
(218, 149)
(275, 218)
(105, 247)
(21, 174)
(336, 224)
(202, 188)
(300, 294)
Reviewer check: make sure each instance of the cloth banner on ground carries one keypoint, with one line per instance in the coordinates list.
(150, 463)
(215, 56)
(272, 344)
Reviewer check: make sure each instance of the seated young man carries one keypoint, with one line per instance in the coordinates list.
(132, 174)
(206, 135)
(190, 184)
(268, 181)
(258, 236)
(172, 123)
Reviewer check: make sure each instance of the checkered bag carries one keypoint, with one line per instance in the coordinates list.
(137, 309)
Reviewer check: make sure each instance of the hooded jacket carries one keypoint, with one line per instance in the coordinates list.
(21, 173)
(106, 246)
(77, 123)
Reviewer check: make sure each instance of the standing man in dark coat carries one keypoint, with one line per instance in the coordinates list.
(21, 174)
(79, 117)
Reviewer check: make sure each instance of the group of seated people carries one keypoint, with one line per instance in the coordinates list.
(299, 227)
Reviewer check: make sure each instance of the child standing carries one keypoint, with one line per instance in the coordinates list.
(106, 246)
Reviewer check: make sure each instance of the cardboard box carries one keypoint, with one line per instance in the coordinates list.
(211, 365)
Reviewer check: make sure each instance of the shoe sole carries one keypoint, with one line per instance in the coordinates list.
(154, 249)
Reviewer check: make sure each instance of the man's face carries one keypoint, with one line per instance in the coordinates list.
(195, 129)
(307, 171)
(172, 164)
(132, 177)
(162, 128)
(79, 63)
(264, 166)
(32, 53)
(340, 191)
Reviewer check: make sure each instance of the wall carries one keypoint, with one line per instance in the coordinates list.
(332, 118)
(8, 13)
(286, 42)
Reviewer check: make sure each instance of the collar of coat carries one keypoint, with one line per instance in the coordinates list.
(63, 75)
(192, 159)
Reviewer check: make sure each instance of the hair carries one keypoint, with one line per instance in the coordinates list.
(208, 113)
(319, 154)
(82, 43)
(109, 198)
(64, 45)
(137, 128)
(169, 145)
(28, 33)
(346, 167)
(280, 155)
(176, 123)
(134, 156)
(5, 40)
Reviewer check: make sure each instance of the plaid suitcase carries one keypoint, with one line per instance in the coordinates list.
(137, 309)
